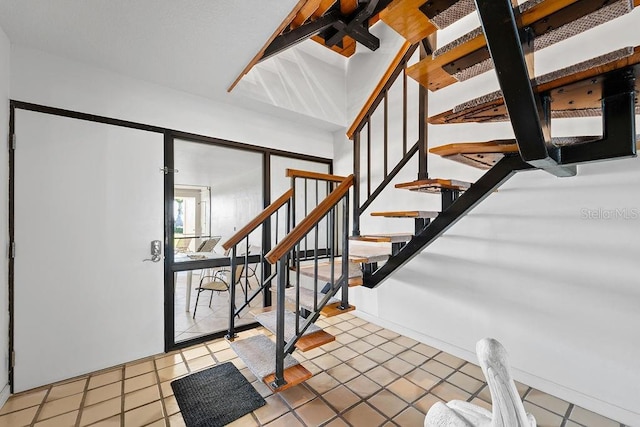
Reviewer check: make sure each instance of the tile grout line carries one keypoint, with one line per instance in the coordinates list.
(162, 397)
(84, 398)
(122, 390)
(566, 415)
(44, 401)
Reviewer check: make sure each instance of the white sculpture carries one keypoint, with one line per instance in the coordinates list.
(508, 410)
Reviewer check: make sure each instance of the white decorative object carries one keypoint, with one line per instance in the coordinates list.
(508, 410)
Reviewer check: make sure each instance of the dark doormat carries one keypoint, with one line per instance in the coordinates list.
(215, 397)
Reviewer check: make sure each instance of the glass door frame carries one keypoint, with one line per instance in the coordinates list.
(171, 267)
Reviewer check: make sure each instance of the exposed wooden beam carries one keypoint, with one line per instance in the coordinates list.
(307, 11)
(348, 6)
(325, 5)
(275, 34)
(300, 34)
(348, 45)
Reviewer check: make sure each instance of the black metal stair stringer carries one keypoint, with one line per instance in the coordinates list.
(487, 184)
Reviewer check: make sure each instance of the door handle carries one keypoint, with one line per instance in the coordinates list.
(156, 251)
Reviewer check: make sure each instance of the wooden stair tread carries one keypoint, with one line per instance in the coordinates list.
(258, 352)
(314, 340)
(407, 214)
(306, 297)
(483, 155)
(468, 56)
(268, 320)
(331, 310)
(313, 337)
(573, 95)
(384, 237)
(408, 20)
(366, 254)
(434, 185)
(294, 375)
(324, 270)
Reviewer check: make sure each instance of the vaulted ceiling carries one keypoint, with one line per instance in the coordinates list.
(196, 46)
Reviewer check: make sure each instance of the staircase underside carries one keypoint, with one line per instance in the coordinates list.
(575, 91)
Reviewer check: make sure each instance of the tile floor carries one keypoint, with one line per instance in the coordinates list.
(369, 376)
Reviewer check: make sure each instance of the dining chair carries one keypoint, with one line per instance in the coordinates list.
(219, 281)
(182, 244)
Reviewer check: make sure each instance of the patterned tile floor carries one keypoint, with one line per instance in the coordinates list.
(369, 376)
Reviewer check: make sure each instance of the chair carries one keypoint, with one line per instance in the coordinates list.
(508, 410)
(209, 244)
(182, 244)
(218, 282)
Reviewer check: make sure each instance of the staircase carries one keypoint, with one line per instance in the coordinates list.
(315, 282)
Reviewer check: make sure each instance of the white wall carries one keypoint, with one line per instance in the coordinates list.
(4, 199)
(42, 78)
(560, 291)
(366, 67)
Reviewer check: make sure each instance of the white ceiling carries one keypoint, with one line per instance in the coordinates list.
(197, 46)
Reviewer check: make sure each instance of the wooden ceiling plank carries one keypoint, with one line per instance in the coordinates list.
(325, 5)
(348, 6)
(310, 7)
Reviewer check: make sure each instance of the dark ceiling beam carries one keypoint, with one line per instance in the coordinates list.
(300, 34)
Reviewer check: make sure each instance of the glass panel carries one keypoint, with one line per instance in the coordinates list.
(217, 191)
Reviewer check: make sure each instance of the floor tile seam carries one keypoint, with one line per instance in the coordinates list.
(39, 410)
(82, 401)
(165, 413)
(122, 389)
(546, 409)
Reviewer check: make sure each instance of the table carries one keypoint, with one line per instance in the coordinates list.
(185, 257)
(189, 261)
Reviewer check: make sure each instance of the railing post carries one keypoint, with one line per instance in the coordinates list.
(423, 110)
(231, 334)
(344, 304)
(356, 184)
(279, 381)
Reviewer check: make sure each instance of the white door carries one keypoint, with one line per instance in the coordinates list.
(88, 202)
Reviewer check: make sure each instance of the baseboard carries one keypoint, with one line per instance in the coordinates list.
(5, 394)
(591, 403)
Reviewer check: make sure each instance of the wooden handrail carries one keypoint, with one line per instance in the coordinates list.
(314, 175)
(309, 221)
(255, 223)
(398, 61)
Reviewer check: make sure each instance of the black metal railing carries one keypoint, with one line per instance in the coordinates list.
(238, 247)
(287, 256)
(365, 128)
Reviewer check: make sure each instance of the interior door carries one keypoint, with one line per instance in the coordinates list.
(88, 203)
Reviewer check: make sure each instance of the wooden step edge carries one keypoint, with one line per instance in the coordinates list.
(334, 309)
(294, 375)
(497, 146)
(368, 259)
(356, 281)
(257, 311)
(316, 339)
(449, 184)
(407, 214)
(384, 238)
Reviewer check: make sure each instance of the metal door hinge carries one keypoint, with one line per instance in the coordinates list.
(12, 250)
(166, 170)
(12, 141)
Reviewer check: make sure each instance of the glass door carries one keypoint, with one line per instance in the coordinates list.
(216, 191)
